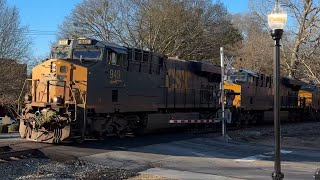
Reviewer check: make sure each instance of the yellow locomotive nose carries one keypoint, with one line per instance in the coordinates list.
(58, 86)
(50, 81)
(305, 98)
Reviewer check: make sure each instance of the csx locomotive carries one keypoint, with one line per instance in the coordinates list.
(299, 100)
(97, 88)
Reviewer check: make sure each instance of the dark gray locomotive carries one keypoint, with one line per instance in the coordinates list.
(144, 91)
(98, 88)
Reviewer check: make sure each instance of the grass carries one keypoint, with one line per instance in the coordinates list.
(13, 128)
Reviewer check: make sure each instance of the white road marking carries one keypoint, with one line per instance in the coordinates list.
(285, 152)
(282, 152)
(253, 158)
(260, 156)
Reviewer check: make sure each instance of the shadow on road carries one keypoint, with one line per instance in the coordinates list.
(196, 145)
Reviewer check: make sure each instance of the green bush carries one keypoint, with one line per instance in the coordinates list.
(3, 128)
(13, 128)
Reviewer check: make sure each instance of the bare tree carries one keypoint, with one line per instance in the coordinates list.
(302, 34)
(12, 77)
(187, 29)
(14, 44)
(91, 18)
(15, 47)
(254, 52)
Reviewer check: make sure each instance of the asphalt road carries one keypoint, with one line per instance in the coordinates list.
(210, 158)
(188, 156)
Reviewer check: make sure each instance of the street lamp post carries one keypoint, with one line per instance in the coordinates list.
(277, 21)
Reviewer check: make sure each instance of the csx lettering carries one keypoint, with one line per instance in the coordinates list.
(115, 74)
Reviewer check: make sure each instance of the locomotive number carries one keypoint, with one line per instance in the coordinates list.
(115, 74)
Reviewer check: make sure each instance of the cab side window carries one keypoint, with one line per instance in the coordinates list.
(116, 59)
(250, 79)
(112, 58)
(123, 60)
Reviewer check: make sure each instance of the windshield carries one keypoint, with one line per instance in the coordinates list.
(87, 54)
(60, 55)
(238, 78)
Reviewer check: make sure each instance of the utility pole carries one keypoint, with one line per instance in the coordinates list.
(222, 92)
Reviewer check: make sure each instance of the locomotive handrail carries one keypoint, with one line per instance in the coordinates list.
(83, 99)
(84, 109)
(46, 89)
(24, 84)
(75, 100)
(35, 90)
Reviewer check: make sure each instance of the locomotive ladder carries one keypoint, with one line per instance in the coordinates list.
(77, 105)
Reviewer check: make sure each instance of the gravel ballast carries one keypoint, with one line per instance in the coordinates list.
(299, 135)
(41, 168)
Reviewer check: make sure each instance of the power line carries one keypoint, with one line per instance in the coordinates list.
(33, 32)
(40, 34)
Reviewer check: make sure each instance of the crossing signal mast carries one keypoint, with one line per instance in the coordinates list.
(226, 71)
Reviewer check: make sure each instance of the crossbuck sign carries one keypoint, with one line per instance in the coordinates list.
(228, 71)
(228, 62)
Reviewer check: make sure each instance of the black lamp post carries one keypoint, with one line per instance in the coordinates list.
(277, 21)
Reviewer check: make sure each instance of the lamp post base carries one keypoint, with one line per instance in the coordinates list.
(277, 175)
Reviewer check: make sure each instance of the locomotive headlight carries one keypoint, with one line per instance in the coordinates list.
(53, 66)
(27, 97)
(56, 99)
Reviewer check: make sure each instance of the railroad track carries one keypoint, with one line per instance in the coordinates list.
(8, 154)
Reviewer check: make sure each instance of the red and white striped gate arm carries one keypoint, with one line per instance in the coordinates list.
(193, 121)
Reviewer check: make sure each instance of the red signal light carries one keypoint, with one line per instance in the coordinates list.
(232, 97)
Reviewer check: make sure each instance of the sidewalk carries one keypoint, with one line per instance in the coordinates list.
(185, 175)
(10, 137)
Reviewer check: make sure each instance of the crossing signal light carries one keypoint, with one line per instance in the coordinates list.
(230, 96)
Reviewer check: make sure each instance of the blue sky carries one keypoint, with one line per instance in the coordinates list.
(46, 15)
(43, 15)
(236, 6)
